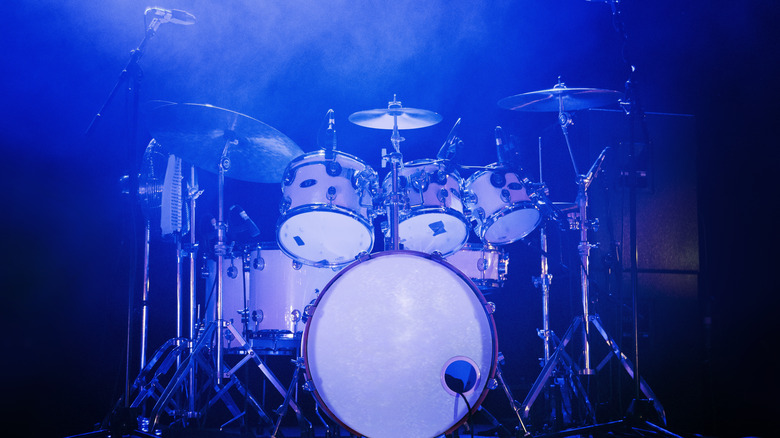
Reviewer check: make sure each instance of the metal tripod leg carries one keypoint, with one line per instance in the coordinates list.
(628, 366)
(512, 401)
(559, 357)
(283, 408)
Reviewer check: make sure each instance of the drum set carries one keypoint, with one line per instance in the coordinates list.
(397, 342)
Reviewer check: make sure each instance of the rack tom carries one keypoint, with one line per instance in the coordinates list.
(501, 207)
(433, 219)
(327, 209)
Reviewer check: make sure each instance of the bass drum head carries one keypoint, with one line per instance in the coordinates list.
(386, 339)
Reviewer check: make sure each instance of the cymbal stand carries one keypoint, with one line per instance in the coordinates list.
(584, 321)
(212, 337)
(396, 162)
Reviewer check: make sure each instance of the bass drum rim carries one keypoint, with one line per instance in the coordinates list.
(486, 307)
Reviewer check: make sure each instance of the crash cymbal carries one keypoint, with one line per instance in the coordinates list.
(198, 133)
(560, 98)
(407, 118)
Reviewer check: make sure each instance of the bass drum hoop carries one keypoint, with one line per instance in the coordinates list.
(483, 381)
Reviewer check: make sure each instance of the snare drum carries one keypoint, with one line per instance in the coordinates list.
(501, 209)
(393, 340)
(327, 209)
(434, 219)
(278, 291)
(486, 265)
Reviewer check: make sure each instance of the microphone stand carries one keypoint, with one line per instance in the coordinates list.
(124, 420)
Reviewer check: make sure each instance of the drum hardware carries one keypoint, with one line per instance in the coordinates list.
(190, 129)
(559, 99)
(130, 80)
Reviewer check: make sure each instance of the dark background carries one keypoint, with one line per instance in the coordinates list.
(707, 231)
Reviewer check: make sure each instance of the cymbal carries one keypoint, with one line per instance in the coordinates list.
(385, 118)
(199, 133)
(572, 99)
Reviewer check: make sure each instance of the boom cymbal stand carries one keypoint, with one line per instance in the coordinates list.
(582, 324)
(209, 346)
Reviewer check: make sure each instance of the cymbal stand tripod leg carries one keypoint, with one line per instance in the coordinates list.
(512, 401)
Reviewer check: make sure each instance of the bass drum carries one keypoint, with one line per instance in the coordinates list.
(395, 343)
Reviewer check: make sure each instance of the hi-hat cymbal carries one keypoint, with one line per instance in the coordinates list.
(560, 98)
(199, 133)
(386, 118)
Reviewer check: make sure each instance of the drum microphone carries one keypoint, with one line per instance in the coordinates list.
(332, 128)
(174, 16)
(253, 230)
(499, 134)
(451, 145)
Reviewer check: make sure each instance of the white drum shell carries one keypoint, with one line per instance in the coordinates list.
(486, 265)
(382, 333)
(278, 290)
(327, 219)
(433, 221)
(501, 215)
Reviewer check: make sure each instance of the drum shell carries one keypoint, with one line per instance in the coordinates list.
(306, 180)
(488, 204)
(327, 209)
(434, 196)
(486, 265)
(386, 325)
(278, 290)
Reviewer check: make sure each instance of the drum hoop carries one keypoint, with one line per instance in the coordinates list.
(474, 288)
(412, 212)
(484, 247)
(504, 211)
(301, 158)
(490, 168)
(425, 162)
(320, 207)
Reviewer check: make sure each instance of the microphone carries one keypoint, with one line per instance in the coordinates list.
(332, 128)
(174, 16)
(450, 147)
(500, 151)
(254, 231)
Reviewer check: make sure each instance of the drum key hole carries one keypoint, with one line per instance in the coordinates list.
(258, 263)
(333, 168)
(497, 180)
(441, 177)
(284, 204)
(442, 195)
(296, 315)
(289, 177)
(232, 272)
(506, 196)
(257, 316)
(331, 193)
(482, 264)
(420, 181)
